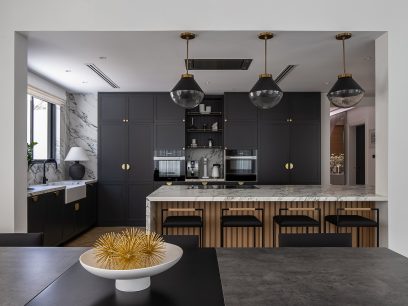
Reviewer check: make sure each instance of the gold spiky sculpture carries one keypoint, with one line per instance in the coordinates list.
(130, 249)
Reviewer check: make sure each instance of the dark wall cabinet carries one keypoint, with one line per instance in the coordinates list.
(126, 147)
(60, 222)
(289, 141)
(241, 122)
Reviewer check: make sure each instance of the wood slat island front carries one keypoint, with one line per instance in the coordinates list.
(271, 199)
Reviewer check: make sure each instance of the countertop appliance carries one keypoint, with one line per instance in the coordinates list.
(193, 169)
(241, 165)
(169, 165)
(215, 173)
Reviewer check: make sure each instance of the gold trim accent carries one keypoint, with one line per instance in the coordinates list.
(241, 209)
(123, 167)
(265, 35)
(343, 36)
(169, 183)
(76, 206)
(187, 35)
(181, 209)
(265, 75)
(302, 209)
(240, 183)
(357, 209)
(344, 75)
(56, 193)
(187, 75)
(35, 198)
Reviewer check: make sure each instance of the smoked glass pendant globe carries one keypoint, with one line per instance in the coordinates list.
(345, 92)
(187, 93)
(266, 93)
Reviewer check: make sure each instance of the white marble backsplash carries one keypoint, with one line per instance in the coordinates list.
(214, 156)
(82, 128)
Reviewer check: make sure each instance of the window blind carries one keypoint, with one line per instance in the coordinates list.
(45, 96)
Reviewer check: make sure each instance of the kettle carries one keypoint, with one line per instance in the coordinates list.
(216, 171)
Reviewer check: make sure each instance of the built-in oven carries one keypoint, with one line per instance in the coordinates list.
(241, 165)
(169, 165)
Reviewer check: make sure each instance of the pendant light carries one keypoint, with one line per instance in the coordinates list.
(345, 92)
(265, 93)
(187, 93)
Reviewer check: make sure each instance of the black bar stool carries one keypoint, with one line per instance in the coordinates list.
(283, 220)
(357, 221)
(242, 221)
(184, 221)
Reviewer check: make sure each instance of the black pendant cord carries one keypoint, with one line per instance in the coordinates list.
(344, 57)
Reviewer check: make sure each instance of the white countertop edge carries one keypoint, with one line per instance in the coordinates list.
(271, 199)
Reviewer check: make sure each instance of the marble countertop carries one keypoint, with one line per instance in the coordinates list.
(275, 193)
(54, 186)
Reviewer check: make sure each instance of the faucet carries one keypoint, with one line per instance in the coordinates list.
(48, 161)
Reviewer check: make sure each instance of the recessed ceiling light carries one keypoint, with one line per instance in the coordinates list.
(84, 82)
(327, 83)
(208, 82)
(102, 57)
(368, 58)
(67, 70)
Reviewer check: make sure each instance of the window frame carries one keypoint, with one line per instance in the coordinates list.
(52, 138)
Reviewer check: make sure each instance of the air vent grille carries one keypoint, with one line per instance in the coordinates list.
(218, 64)
(102, 75)
(285, 73)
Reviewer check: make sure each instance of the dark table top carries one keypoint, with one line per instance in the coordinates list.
(285, 276)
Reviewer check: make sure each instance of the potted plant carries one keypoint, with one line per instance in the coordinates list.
(30, 152)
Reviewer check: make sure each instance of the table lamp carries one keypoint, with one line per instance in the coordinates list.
(76, 170)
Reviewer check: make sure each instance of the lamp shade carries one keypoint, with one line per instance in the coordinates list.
(76, 154)
(187, 93)
(345, 92)
(266, 93)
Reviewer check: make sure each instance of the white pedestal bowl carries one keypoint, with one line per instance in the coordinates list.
(136, 279)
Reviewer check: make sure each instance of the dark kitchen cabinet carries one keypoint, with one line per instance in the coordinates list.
(273, 153)
(68, 221)
(44, 214)
(289, 141)
(241, 135)
(166, 110)
(113, 107)
(241, 122)
(125, 161)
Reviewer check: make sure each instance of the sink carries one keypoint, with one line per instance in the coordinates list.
(74, 192)
(30, 188)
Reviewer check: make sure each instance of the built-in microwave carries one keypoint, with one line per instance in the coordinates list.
(169, 165)
(241, 165)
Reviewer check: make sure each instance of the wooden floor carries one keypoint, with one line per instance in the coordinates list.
(88, 238)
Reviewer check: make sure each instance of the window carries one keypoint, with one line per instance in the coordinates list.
(41, 128)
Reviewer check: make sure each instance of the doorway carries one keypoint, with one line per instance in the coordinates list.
(360, 154)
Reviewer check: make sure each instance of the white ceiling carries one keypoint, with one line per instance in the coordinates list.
(153, 61)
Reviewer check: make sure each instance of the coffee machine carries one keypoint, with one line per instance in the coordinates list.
(193, 169)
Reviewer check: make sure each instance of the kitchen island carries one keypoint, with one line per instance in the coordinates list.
(271, 198)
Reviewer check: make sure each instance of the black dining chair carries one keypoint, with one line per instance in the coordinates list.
(183, 221)
(347, 220)
(21, 240)
(242, 221)
(183, 241)
(286, 220)
(315, 240)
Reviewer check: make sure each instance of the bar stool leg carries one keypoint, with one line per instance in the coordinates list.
(201, 237)
(358, 237)
(378, 236)
(254, 229)
(263, 236)
(307, 230)
(273, 233)
(222, 236)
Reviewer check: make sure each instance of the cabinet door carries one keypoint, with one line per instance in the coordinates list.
(238, 107)
(166, 110)
(305, 106)
(137, 203)
(91, 198)
(279, 113)
(169, 136)
(274, 153)
(305, 153)
(112, 204)
(140, 152)
(113, 150)
(54, 202)
(241, 135)
(141, 107)
(35, 214)
(113, 107)
(69, 221)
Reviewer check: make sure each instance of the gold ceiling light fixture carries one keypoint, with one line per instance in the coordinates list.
(266, 93)
(345, 92)
(187, 93)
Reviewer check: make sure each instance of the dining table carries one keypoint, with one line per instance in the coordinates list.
(207, 276)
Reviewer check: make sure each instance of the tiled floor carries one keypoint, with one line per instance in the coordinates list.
(88, 238)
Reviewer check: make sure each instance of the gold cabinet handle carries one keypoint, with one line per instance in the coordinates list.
(35, 198)
(127, 167)
(291, 166)
(77, 206)
(56, 193)
(287, 166)
(123, 167)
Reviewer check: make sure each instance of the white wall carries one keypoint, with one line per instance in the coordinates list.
(296, 15)
(358, 116)
(45, 85)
